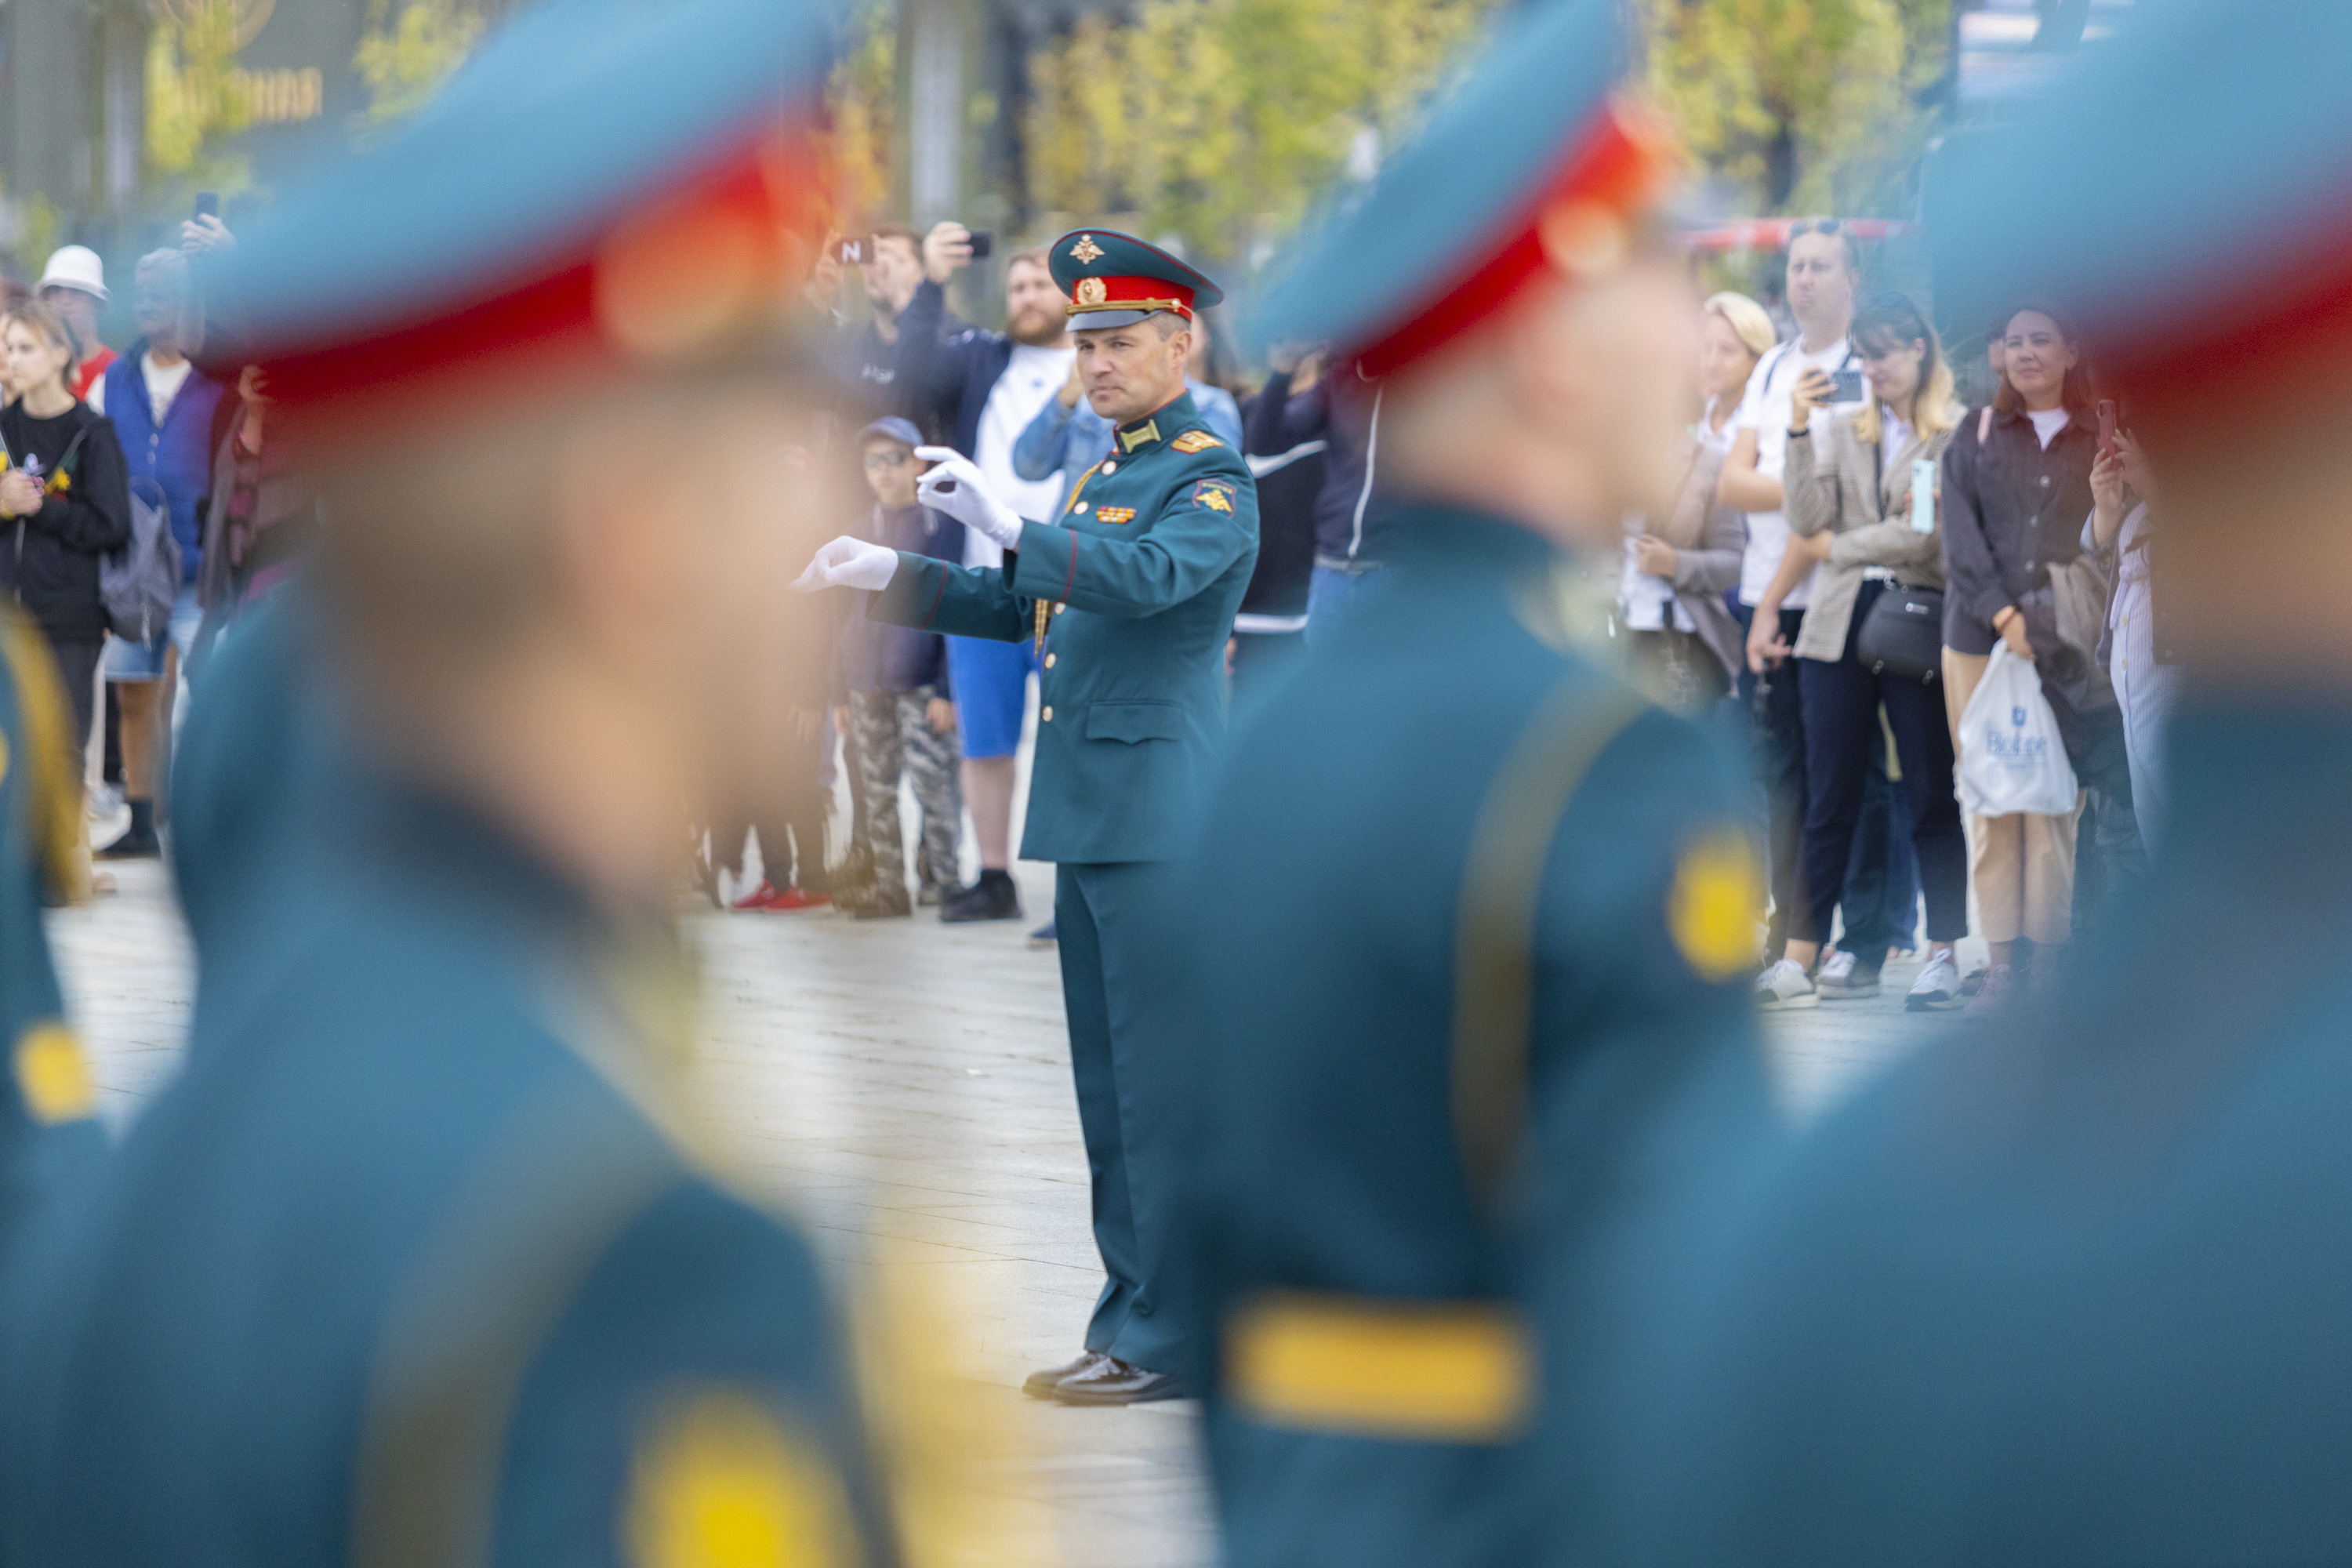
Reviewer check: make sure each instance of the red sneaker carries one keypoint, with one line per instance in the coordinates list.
(799, 898)
(759, 897)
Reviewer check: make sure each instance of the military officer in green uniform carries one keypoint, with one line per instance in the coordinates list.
(417, 1260)
(1480, 920)
(1129, 595)
(50, 1147)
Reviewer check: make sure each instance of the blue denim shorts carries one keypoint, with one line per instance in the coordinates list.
(144, 661)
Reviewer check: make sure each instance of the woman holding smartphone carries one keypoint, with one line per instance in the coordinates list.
(1858, 510)
(2017, 484)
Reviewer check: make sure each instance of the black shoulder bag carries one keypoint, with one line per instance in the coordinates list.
(1902, 636)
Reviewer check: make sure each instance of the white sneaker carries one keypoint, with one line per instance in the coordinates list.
(1785, 985)
(1939, 985)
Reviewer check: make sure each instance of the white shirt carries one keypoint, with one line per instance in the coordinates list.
(1030, 380)
(162, 385)
(2048, 422)
(1894, 435)
(1765, 410)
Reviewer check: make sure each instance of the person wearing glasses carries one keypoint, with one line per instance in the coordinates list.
(1850, 500)
(893, 700)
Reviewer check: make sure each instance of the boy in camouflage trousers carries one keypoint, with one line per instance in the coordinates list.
(895, 713)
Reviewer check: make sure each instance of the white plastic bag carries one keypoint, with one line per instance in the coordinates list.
(2011, 757)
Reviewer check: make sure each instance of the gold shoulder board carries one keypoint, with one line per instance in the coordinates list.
(1195, 441)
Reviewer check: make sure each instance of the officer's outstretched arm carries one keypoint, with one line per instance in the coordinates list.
(932, 596)
(1210, 524)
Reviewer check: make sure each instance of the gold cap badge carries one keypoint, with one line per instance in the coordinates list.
(1086, 251)
(1092, 291)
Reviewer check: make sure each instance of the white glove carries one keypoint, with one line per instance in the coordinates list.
(955, 488)
(849, 562)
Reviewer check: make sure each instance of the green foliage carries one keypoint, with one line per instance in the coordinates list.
(1801, 105)
(862, 108)
(1218, 121)
(403, 60)
(194, 98)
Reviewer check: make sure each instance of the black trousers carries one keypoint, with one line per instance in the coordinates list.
(1780, 759)
(1841, 706)
(77, 668)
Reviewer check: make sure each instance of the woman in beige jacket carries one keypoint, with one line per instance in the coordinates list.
(1849, 504)
(1682, 645)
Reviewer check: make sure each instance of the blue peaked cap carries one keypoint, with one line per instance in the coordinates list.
(2201, 152)
(568, 116)
(1444, 201)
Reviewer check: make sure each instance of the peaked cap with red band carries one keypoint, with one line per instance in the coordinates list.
(1533, 161)
(2209, 245)
(1115, 280)
(606, 184)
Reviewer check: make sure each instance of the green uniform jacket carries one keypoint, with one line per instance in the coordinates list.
(1325, 1152)
(395, 1271)
(1150, 556)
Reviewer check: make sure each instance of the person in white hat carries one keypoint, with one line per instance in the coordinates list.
(74, 285)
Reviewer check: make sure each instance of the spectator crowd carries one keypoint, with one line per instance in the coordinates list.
(1848, 551)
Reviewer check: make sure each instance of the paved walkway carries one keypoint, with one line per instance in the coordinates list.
(905, 1086)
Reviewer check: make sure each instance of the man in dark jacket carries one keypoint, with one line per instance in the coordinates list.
(1342, 409)
(983, 388)
(162, 407)
(1270, 629)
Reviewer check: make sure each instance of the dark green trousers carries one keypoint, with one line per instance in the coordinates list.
(1122, 988)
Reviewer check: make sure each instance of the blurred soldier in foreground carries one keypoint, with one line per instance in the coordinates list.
(2076, 1290)
(1150, 555)
(50, 1148)
(1431, 1063)
(409, 1266)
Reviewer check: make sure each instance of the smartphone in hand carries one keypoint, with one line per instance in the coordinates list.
(1846, 386)
(1923, 495)
(2106, 428)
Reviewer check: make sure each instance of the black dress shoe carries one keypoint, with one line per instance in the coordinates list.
(1040, 1383)
(1117, 1382)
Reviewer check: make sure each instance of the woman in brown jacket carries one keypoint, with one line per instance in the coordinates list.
(1849, 504)
(1683, 646)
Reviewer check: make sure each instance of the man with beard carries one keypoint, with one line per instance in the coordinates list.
(985, 387)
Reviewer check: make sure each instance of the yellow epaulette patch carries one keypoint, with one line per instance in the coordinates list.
(717, 1483)
(1716, 911)
(1195, 441)
(53, 1076)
